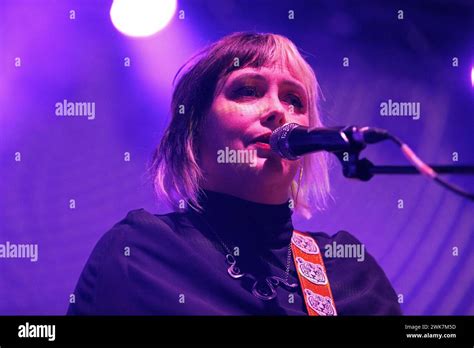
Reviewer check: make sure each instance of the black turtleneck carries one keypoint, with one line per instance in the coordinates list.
(255, 231)
(175, 264)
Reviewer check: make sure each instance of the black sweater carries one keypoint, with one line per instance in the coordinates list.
(173, 264)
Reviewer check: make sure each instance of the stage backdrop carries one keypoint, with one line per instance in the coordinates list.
(64, 181)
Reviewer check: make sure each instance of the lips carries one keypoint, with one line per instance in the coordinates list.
(263, 138)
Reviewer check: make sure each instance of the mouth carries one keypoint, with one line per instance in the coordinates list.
(262, 144)
(263, 138)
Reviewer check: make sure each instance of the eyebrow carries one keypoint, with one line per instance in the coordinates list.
(259, 77)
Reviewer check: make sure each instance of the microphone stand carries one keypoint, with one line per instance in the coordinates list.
(347, 143)
(361, 168)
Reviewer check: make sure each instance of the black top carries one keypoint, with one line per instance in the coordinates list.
(173, 264)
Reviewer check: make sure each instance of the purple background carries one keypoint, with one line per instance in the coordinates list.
(74, 158)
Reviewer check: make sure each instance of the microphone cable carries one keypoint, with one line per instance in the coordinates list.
(426, 170)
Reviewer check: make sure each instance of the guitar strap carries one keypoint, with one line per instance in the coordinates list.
(312, 275)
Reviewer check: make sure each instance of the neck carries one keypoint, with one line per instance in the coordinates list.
(250, 225)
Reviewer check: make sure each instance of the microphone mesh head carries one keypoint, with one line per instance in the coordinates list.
(279, 140)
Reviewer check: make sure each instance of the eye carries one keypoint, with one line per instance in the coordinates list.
(246, 91)
(295, 100)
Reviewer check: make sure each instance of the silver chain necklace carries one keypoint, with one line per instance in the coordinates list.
(264, 289)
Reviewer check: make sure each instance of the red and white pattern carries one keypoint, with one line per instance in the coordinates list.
(312, 275)
(323, 305)
(307, 245)
(312, 271)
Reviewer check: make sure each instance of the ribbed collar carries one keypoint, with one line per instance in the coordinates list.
(253, 227)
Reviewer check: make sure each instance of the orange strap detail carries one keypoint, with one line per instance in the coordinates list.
(312, 275)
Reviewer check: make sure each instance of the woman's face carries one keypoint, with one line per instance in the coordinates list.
(250, 104)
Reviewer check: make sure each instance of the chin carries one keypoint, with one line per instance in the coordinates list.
(275, 168)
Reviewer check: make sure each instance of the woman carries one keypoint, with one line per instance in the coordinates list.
(229, 248)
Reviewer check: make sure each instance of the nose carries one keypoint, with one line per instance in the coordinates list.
(275, 114)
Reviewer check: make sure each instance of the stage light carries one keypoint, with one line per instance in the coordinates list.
(472, 76)
(140, 18)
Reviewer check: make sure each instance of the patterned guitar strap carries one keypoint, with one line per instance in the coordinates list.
(312, 275)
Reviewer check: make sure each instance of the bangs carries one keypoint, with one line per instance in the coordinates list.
(269, 51)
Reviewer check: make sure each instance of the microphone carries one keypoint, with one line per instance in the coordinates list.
(292, 140)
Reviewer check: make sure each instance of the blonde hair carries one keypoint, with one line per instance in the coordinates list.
(175, 167)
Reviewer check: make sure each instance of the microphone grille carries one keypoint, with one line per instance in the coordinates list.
(279, 140)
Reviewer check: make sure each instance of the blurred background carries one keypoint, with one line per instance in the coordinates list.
(65, 181)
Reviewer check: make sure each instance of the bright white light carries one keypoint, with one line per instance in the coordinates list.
(141, 17)
(472, 76)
